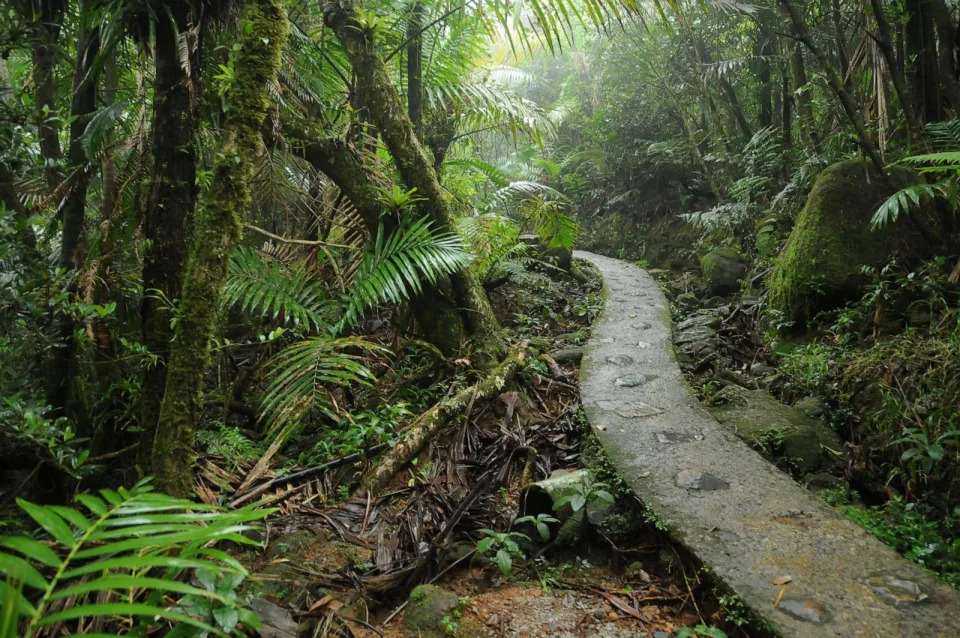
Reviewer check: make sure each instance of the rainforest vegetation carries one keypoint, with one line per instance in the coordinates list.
(290, 322)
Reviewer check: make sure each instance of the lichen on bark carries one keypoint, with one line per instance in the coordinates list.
(263, 32)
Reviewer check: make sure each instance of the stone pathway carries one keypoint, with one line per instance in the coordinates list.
(751, 524)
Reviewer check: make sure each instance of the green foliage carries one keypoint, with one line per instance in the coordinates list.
(540, 522)
(121, 560)
(583, 494)
(930, 541)
(265, 287)
(503, 546)
(356, 431)
(398, 264)
(230, 443)
(54, 438)
(701, 631)
(300, 374)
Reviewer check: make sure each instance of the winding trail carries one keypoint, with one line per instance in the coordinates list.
(751, 524)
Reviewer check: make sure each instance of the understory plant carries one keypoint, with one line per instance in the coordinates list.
(122, 562)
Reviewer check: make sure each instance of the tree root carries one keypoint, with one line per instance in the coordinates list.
(431, 421)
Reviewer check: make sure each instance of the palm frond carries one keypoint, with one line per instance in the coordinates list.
(265, 287)
(910, 199)
(301, 376)
(122, 560)
(395, 268)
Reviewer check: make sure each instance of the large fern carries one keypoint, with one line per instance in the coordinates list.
(263, 286)
(118, 565)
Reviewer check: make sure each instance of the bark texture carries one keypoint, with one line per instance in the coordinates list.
(262, 36)
(170, 205)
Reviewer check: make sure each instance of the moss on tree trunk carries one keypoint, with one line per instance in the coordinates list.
(468, 307)
(263, 31)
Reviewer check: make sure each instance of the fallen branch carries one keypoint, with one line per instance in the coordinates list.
(431, 421)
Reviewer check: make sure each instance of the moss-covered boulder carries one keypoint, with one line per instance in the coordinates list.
(820, 266)
(723, 270)
(776, 429)
(431, 612)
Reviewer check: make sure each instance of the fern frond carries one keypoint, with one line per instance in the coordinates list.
(262, 286)
(122, 559)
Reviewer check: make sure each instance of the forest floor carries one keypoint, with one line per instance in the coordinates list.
(339, 564)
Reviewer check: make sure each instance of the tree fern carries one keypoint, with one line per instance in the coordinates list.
(396, 266)
(262, 286)
(118, 564)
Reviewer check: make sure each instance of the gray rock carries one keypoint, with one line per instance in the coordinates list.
(277, 622)
(760, 369)
(723, 270)
(699, 320)
(896, 591)
(804, 609)
(687, 300)
(568, 355)
(811, 406)
(695, 480)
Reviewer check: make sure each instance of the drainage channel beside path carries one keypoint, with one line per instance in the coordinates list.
(752, 525)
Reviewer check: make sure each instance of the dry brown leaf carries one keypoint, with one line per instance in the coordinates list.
(782, 580)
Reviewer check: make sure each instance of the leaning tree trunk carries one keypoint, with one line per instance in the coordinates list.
(924, 73)
(467, 309)
(62, 369)
(170, 205)
(256, 67)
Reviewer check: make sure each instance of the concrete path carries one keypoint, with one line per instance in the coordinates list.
(751, 524)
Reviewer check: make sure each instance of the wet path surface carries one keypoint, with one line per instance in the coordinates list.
(751, 524)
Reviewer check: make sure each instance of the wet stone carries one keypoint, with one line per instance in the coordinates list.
(642, 325)
(896, 591)
(678, 437)
(629, 409)
(620, 360)
(702, 481)
(804, 609)
(631, 381)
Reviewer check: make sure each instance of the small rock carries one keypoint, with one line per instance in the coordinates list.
(277, 622)
(811, 406)
(708, 320)
(631, 381)
(694, 480)
(761, 369)
(428, 606)
(823, 481)
(620, 360)
(804, 609)
(661, 634)
(687, 300)
(635, 571)
(568, 355)
(896, 591)
(723, 271)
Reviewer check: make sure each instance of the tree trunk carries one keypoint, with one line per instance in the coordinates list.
(765, 90)
(885, 44)
(63, 361)
(786, 120)
(256, 66)
(947, 62)
(804, 101)
(836, 83)
(470, 311)
(415, 68)
(50, 16)
(923, 73)
(170, 206)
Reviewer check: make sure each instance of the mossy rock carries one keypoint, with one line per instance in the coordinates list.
(820, 266)
(723, 270)
(430, 612)
(763, 422)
